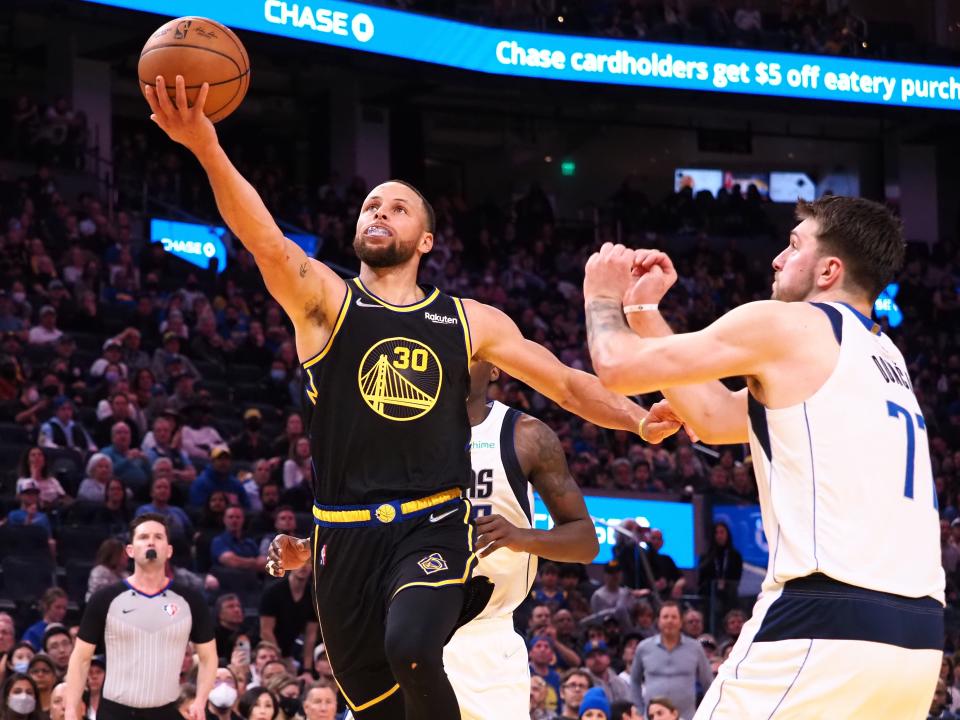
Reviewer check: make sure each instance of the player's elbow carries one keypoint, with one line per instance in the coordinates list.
(613, 373)
(591, 547)
(587, 546)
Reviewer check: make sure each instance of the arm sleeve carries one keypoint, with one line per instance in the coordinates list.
(202, 630)
(217, 548)
(636, 678)
(704, 671)
(94, 620)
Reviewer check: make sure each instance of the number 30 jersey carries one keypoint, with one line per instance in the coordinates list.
(387, 413)
(499, 487)
(845, 481)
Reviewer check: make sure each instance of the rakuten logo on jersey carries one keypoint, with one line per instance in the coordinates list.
(320, 19)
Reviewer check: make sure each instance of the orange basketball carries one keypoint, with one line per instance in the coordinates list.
(202, 51)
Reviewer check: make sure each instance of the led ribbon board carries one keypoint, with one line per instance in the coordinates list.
(578, 59)
(673, 518)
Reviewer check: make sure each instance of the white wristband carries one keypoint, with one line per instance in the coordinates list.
(627, 309)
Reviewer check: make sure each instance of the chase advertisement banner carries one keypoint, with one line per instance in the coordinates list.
(673, 518)
(577, 59)
(195, 243)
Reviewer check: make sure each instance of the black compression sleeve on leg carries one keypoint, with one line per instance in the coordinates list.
(420, 621)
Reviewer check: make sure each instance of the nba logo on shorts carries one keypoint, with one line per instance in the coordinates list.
(323, 554)
(171, 609)
(432, 563)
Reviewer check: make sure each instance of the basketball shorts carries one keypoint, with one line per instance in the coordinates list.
(486, 661)
(360, 566)
(816, 647)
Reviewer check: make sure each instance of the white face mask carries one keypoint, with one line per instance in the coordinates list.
(223, 696)
(21, 703)
(22, 666)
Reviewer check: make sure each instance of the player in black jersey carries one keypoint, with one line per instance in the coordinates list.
(386, 364)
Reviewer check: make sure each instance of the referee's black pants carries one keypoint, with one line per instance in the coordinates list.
(110, 710)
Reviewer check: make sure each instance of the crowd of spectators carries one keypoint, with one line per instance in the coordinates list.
(131, 382)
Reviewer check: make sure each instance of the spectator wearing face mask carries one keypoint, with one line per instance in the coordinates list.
(286, 688)
(250, 444)
(20, 695)
(223, 697)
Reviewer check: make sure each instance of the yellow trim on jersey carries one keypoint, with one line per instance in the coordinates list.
(424, 503)
(341, 516)
(336, 328)
(466, 330)
(365, 514)
(370, 703)
(313, 393)
(398, 308)
(471, 561)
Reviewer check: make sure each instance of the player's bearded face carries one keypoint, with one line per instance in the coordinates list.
(795, 269)
(383, 252)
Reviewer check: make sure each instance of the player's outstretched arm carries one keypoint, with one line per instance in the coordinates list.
(711, 410)
(573, 537)
(498, 340)
(741, 343)
(301, 285)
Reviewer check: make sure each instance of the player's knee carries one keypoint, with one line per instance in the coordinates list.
(412, 657)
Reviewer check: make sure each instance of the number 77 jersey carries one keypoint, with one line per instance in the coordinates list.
(845, 481)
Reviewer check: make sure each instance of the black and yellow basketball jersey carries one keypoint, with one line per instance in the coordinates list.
(389, 389)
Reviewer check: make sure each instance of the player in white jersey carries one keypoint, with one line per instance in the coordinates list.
(512, 454)
(849, 623)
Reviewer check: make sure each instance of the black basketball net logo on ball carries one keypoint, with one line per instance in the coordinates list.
(400, 379)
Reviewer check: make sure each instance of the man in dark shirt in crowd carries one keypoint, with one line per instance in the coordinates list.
(286, 612)
(250, 444)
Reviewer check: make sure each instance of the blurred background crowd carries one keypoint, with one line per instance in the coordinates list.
(132, 381)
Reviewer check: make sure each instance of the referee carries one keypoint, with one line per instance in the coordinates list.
(144, 624)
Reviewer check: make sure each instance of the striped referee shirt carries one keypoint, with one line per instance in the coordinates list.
(144, 637)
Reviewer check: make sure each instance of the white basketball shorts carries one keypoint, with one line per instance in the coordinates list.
(818, 648)
(486, 661)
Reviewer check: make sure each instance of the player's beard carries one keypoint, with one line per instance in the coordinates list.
(796, 292)
(385, 256)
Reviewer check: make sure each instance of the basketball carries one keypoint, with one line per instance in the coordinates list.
(201, 50)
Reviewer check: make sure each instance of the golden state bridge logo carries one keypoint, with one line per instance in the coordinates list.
(400, 379)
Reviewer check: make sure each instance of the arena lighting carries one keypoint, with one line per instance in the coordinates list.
(673, 518)
(579, 59)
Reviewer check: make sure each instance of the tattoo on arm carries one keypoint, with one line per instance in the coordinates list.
(541, 456)
(303, 269)
(604, 317)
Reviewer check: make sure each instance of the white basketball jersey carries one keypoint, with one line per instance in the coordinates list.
(499, 487)
(845, 481)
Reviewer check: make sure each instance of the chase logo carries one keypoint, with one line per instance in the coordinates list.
(400, 379)
(195, 243)
(319, 19)
(432, 563)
